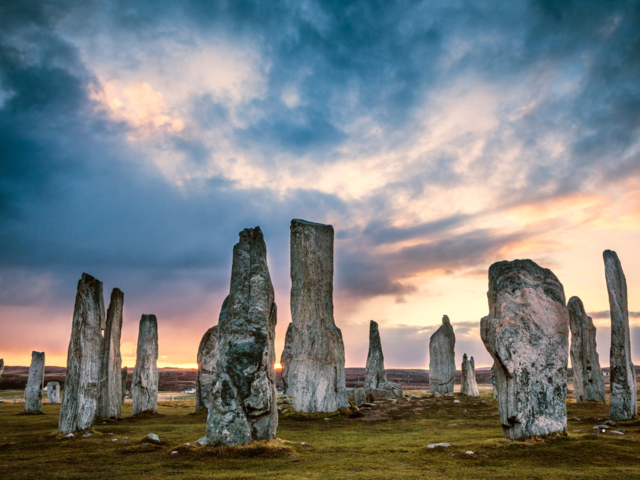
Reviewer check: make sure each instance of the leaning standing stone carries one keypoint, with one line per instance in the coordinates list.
(243, 397)
(375, 372)
(588, 380)
(144, 387)
(285, 358)
(33, 392)
(207, 359)
(527, 334)
(469, 385)
(316, 379)
(442, 358)
(124, 373)
(110, 382)
(53, 392)
(80, 398)
(623, 399)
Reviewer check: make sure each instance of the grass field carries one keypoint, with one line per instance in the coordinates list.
(388, 441)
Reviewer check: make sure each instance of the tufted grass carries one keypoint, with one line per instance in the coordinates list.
(388, 441)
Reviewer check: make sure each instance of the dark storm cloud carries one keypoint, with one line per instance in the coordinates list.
(379, 232)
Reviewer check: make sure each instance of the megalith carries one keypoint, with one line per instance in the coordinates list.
(110, 381)
(124, 373)
(80, 399)
(144, 387)
(468, 386)
(243, 396)
(35, 382)
(375, 372)
(53, 392)
(316, 379)
(442, 358)
(527, 334)
(285, 358)
(207, 359)
(1, 366)
(623, 399)
(588, 380)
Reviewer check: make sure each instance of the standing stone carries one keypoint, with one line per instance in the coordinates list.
(442, 359)
(316, 379)
(359, 397)
(469, 385)
(207, 359)
(109, 381)
(375, 373)
(588, 380)
(623, 399)
(1, 366)
(527, 334)
(35, 382)
(53, 392)
(285, 358)
(243, 397)
(80, 398)
(493, 380)
(144, 387)
(124, 373)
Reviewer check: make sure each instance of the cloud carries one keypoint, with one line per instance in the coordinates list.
(607, 314)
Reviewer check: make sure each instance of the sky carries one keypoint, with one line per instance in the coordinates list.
(138, 138)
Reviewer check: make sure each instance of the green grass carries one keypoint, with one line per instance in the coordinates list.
(388, 442)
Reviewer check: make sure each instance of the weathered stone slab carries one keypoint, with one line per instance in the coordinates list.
(527, 334)
(442, 358)
(124, 373)
(285, 358)
(359, 397)
(144, 387)
(53, 392)
(588, 379)
(243, 397)
(393, 387)
(469, 385)
(35, 381)
(623, 398)
(207, 359)
(375, 373)
(379, 394)
(80, 399)
(1, 366)
(316, 378)
(110, 381)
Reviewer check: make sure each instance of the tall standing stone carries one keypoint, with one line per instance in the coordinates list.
(207, 359)
(375, 372)
(588, 380)
(316, 379)
(109, 381)
(623, 399)
(53, 392)
(144, 387)
(527, 334)
(80, 398)
(33, 392)
(124, 373)
(469, 386)
(442, 358)
(285, 358)
(243, 397)
(1, 366)
(493, 380)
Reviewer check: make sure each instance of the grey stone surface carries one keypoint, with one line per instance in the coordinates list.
(285, 358)
(53, 392)
(207, 359)
(124, 373)
(527, 334)
(375, 373)
(378, 394)
(80, 398)
(623, 398)
(468, 386)
(144, 386)
(442, 358)
(1, 366)
(359, 397)
(243, 397)
(588, 379)
(493, 380)
(35, 382)
(110, 380)
(393, 387)
(316, 378)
